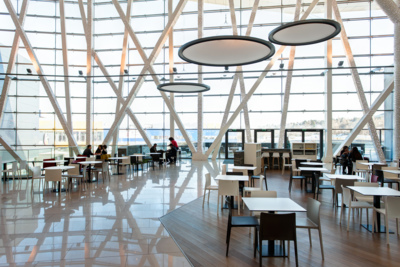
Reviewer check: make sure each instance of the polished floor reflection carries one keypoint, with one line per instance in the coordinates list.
(114, 223)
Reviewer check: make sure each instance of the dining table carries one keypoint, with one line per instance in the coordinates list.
(117, 159)
(90, 163)
(272, 205)
(343, 176)
(377, 193)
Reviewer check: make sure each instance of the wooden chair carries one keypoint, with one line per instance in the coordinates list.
(240, 221)
(277, 227)
(208, 187)
(312, 221)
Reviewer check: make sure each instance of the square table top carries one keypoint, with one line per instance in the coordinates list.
(342, 176)
(272, 204)
(375, 191)
(392, 171)
(59, 168)
(313, 163)
(232, 177)
(118, 158)
(314, 169)
(249, 168)
(90, 162)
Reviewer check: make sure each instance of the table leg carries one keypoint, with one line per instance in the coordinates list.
(4, 173)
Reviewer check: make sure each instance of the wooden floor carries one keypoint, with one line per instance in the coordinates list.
(201, 233)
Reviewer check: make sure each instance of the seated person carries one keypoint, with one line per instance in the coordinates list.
(171, 153)
(155, 157)
(88, 151)
(104, 151)
(98, 151)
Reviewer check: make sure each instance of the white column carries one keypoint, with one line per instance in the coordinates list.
(89, 45)
(328, 90)
(171, 71)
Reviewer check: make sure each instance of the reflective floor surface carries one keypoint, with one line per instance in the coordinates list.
(114, 223)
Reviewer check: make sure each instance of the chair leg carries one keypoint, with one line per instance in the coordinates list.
(387, 229)
(204, 196)
(260, 251)
(290, 185)
(341, 213)
(309, 236)
(348, 218)
(295, 252)
(320, 242)
(255, 240)
(218, 204)
(228, 237)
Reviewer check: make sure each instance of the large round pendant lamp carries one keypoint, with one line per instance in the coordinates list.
(305, 32)
(227, 50)
(183, 88)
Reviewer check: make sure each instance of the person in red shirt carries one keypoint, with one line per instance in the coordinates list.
(173, 151)
(173, 142)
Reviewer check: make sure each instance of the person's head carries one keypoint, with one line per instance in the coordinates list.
(171, 138)
(104, 146)
(355, 150)
(155, 145)
(100, 147)
(89, 147)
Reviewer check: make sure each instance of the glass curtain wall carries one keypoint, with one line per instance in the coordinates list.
(30, 120)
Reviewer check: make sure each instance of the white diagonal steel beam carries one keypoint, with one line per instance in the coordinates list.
(254, 87)
(122, 72)
(43, 78)
(288, 84)
(392, 9)
(89, 46)
(11, 61)
(239, 69)
(357, 83)
(328, 90)
(65, 64)
(366, 117)
(9, 149)
(235, 78)
(149, 68)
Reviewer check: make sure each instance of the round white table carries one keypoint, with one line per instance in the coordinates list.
(90, 167)
(117, 159)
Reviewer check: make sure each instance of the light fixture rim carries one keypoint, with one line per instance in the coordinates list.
(230, 37)
(205, 86)
(331, 22)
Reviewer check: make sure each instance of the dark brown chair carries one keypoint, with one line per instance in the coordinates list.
(277, 227)
(240, 221)
(297, 177)
(319, 186)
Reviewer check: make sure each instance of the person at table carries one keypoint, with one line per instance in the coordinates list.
(99, 151)
(104, 151)
(354, 155)
(344, 159)
(172, 152)
(88, 151)
(155, 157)
(174, 143)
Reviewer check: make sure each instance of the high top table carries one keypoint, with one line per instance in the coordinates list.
(271, 205)
(377, 193)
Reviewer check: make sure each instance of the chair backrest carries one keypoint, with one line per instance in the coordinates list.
(277, 226)
(242, 172)
(208, 179)
(126, 160)
(104, 166)
(23, 164)
(299, 161)
(139, 159)
(45, 164)
(344, 182)
(15, 166)
(234, 173)
(36, 171)
(53, 175)
(374, 178)
(388, 175)
(270, 194)
(228, 188)
(392, 207)
(361, 166)
(223, 169)
(313, 210)
(75, 170)
(346, 195)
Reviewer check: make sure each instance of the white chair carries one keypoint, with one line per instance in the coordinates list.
(126, 162)
(247, 189)
(228, 188)
(275, 156)
(36, 175)
(359, 197)
(208, 187)
(223, 172)
(391, 210)
(285, 157)
(23, 165)
(352, 205)
(13, 170)
(312, 221)
(264, 194)
(53, 176)
(74, 174)
(361, 169)
(390, 176)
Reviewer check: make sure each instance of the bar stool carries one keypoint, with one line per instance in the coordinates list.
(274, 157)
(285, 158)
